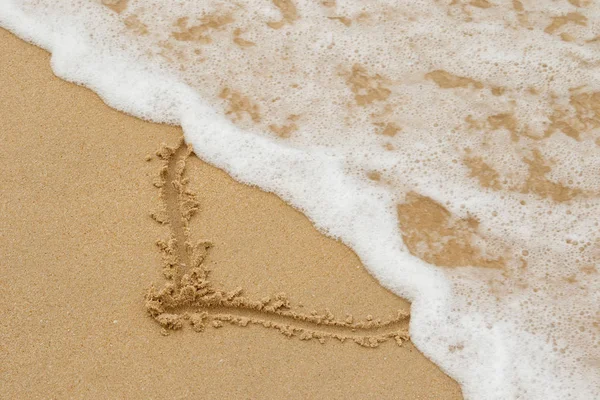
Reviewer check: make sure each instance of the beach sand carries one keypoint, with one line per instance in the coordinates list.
(78, 253)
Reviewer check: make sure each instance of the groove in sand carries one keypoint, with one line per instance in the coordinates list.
(189, 297)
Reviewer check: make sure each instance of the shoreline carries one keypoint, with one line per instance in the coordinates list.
(79, 254)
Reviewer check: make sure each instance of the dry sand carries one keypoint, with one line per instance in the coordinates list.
(78, 255)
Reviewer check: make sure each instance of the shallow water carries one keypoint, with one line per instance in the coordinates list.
(454, 145)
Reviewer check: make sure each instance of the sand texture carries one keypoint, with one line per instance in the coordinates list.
(132, 269)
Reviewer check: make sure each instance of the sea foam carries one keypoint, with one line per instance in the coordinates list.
(453, 145)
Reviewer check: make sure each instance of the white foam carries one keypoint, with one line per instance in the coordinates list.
(505, 333)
